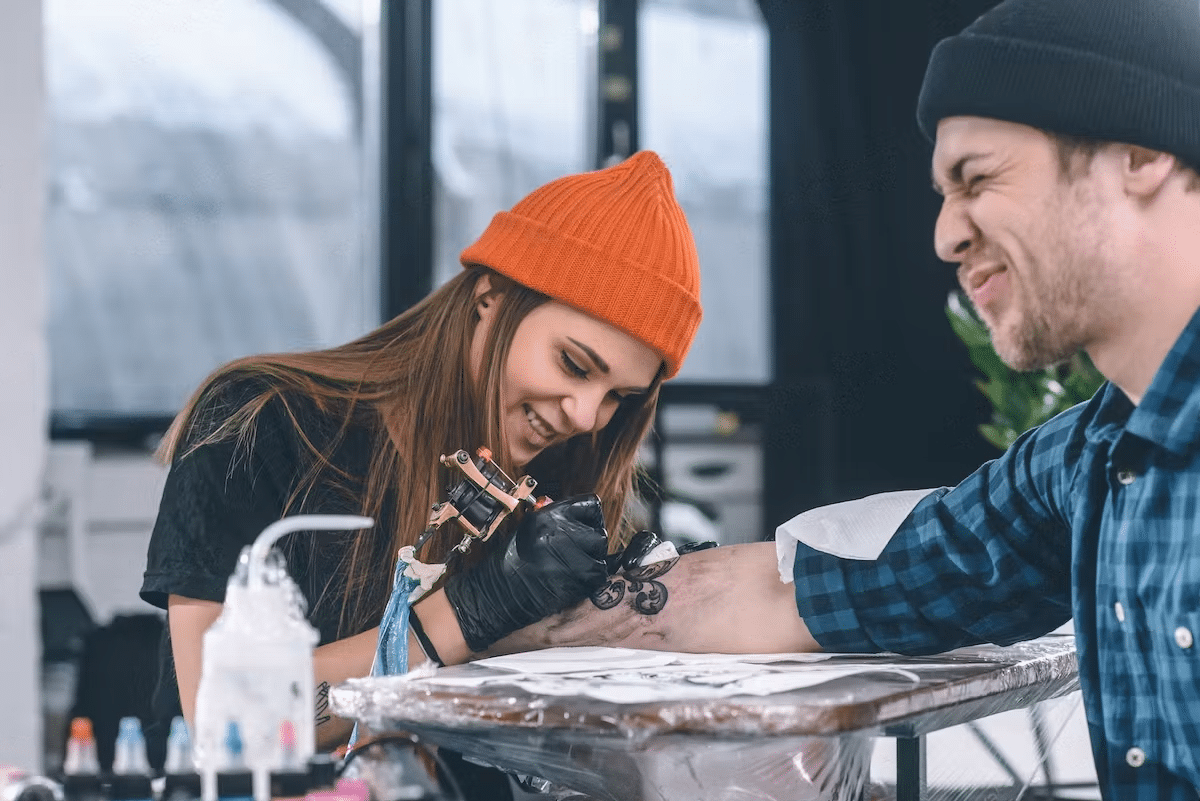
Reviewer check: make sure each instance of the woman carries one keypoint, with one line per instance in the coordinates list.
(549, 348)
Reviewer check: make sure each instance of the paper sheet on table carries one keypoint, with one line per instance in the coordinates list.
(622, 675)
(574, 660)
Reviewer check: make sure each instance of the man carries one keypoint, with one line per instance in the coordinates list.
(1067, 136)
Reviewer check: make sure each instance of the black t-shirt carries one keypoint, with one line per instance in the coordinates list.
(219, 497)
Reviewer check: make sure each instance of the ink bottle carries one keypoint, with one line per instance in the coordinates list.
(322, 773)
(81, 767)
(234, 781)
(290, 779)
(130, 779)
(181, 782)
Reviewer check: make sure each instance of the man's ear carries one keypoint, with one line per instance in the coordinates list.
(1144, 171)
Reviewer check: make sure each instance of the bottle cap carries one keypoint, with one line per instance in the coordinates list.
(129, 757)
(82, 785)
(81, 758)
(179, 749)
(130, 787)
(81, 729)
(322, 772)
(289, 783)
(235, 784)
(181, 785)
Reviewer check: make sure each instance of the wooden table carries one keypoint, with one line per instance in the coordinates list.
(809, 743)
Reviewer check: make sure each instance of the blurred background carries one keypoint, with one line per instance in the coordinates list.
(183, 183)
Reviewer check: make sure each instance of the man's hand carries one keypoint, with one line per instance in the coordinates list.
(554, 560)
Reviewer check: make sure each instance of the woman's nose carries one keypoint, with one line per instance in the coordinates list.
(585, 410)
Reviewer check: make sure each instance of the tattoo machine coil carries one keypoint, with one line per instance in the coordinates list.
(480, 500)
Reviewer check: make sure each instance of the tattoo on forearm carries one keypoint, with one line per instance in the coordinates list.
(646, 595)
(323, 715)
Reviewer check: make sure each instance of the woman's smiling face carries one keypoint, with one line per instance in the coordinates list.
(567, 372)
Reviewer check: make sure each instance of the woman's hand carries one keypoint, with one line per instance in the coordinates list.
(728, 600)
(554, 560)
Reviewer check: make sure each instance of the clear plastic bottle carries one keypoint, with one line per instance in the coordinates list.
(256, 665)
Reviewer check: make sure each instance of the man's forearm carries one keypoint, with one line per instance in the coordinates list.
(720, 600)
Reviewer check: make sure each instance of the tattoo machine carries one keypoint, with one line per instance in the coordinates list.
(480, 500)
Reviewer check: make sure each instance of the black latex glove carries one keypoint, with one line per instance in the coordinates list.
(628, 558)
(642, 543)
(554, 560)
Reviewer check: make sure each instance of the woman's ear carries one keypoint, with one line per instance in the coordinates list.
(483, 285)
(486, 299)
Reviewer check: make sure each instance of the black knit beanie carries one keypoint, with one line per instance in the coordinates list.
(1116, 70)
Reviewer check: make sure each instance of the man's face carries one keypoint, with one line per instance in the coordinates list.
(1029, 242)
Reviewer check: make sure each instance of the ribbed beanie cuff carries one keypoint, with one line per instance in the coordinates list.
(635, 298)
(613, 243)
(1114, 70)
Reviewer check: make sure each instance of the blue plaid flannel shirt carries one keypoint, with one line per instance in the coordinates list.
(1096, 515)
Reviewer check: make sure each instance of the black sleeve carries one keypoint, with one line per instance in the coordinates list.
(216, 500)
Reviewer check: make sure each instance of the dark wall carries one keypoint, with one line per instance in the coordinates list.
(873, 391)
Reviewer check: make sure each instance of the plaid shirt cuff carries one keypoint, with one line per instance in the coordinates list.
(824, 602)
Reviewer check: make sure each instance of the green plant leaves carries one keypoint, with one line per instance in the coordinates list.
(1019, 401)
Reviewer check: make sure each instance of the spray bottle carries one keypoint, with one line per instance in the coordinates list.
(257, 662)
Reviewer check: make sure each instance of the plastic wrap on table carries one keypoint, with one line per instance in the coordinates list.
(1042, 751)
(814, 742)
(675, 767)
(394, 769)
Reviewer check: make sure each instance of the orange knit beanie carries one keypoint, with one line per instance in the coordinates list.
(613, 243)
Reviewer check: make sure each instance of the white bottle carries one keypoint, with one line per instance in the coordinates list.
(257, 661)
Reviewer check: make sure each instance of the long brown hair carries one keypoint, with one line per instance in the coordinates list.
(409, 382)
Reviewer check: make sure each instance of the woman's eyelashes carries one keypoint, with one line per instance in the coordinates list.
(572, 366)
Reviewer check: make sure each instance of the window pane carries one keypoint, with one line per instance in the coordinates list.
(205, 194)
(703, 106)
(510, 107)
